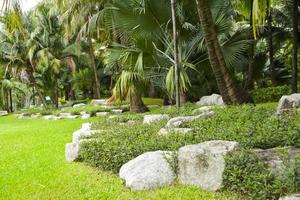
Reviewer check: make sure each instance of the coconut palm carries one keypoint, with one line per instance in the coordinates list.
(229, 89)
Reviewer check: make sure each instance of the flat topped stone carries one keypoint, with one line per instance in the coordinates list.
(79, 105)
(203, 164)
(149, 119)
(178, 121)
(166, 131)
(100, 114)
(212, 100)
(149, 170)
(3, 113)
(99, 102)
(291, 197)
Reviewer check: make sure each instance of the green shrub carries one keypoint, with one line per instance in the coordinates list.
(253, 127)
(270, 94)
(246, 175)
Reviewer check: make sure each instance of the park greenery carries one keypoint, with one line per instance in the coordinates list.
(145, 57)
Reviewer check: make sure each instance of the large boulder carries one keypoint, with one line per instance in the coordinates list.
(149, 119)
(212, 100)
(3, 113)
(277, 158)
(178, 121)
(99, 102)
(291, 197)
(149, 170)
(202, 165)
(288, 104)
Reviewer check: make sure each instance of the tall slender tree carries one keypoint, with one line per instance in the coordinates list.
(295, 46)
(176, 57)
(228, 87)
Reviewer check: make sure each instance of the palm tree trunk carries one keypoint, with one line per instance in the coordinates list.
(249, 82)
(270, 47)
(136, 103)
(36, 87)
(228, 88)
(176, 57)
(295, 47)
(94, 67)
(10, 101)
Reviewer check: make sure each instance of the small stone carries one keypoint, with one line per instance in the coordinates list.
(149, 119)
(166, 131)
(116, 111)
(291, 197)
(99, 102)
(203, 109)
(86, 116)
(79, 105)
(212, 100)
(3, 113)
(100, 114)
(178, 121)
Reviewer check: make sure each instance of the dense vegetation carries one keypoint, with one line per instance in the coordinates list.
(67, 50)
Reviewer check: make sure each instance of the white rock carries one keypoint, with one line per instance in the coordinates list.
(116, 111)
(86, 126)
(166, 131)
(65, 114)
(99, 102)
(202, 165)
(100, 114)
(203, 109)
(79, 105)
(86, 116)
(3, 113)
(211, 100)
(72, 117)
(291, 197)
(73, 149)
(48, 117)
(82, 113)
(149, 119)
(153, 106)
(288, 104)
(178, 121)
(147, 171)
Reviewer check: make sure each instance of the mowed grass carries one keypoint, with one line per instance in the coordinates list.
(33, 166)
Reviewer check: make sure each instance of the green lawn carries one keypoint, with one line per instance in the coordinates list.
(32, 166)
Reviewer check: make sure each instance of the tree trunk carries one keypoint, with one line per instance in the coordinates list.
(295, 47)
(230, 91)
(250, 82)
(176, 57)
(270, 47)
(10, 101)
(36, 87)
(33, 96)
(136, 103)
(94, 68)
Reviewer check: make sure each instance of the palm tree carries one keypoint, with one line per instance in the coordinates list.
(228, 88)
(295, 45)
(78, 17)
